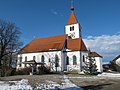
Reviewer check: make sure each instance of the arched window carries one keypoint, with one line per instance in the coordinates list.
(20, 61)
(83, 58)
(49, 60)
(74, 60)
(67, 60)
(56, 61)
(25, 61)
(34, 58)
(72, 28)
(42, 59)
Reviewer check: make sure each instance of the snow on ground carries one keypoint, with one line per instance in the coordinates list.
(47, 85)
(102, 76)
(15, 85)
(68, 85)
(50, 85)
(110, 75)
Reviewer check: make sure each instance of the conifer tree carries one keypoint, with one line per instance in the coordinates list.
(90, 66)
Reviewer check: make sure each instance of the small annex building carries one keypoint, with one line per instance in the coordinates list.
(63, 52)
(98, 60)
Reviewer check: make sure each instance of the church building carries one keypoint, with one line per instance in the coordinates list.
(63, 52)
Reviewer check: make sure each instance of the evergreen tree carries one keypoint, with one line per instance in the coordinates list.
(90, 66)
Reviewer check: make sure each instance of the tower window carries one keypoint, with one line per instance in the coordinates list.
(72, 28)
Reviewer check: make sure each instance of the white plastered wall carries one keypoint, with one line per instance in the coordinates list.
(76, 30)
(47, 56)
(99, 64)
(78, 55)
(118, 61)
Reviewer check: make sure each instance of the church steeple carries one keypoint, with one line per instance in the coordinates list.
(72, 7)
(72, 19)
(73, 28)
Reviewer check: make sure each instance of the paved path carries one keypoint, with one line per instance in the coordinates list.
(68, 85)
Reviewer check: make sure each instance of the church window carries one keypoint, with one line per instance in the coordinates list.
(20, 62)
(42, 59)
(67, 60)
(83, 58)
(25, 61)
(56, 61)
(34, 58)
(49, 59)
(72, 28)
(74, 60)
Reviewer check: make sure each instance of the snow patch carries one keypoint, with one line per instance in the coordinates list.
(46, 85)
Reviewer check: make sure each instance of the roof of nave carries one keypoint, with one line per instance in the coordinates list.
(54, 43)
(94, 54)
(45, 44)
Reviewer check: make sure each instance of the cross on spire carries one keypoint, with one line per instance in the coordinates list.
(72, 6)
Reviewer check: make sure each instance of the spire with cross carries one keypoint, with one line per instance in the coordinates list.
(73, 28)
(72, 6)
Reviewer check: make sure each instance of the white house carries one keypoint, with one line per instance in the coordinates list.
(67, 51)
(116, 62)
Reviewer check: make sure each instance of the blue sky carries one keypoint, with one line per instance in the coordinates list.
(100, 21)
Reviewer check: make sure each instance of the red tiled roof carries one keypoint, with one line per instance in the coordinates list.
(45, 44)
(72, 19)
(54, 43)
(94, 54)
(76, 44)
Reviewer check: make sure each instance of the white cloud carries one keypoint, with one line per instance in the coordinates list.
(106, 45)
(54, 12)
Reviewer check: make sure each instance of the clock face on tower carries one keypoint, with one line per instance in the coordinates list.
(72, 35)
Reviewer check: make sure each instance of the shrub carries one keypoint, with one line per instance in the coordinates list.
(43, 70)
(71, 72)
(24, 71)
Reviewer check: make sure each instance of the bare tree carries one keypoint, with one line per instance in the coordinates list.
(9, 41)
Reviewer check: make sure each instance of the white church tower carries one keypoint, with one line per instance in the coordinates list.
(73, 28)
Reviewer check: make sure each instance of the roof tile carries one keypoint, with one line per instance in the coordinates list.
(45, 44)
(54, 43)
(72, 19)
(76, 44)
(94, 54)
